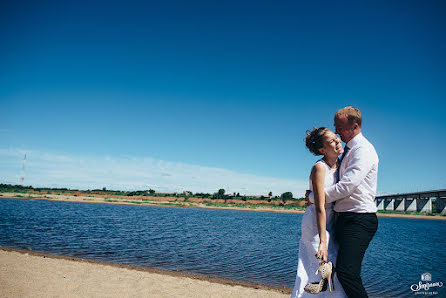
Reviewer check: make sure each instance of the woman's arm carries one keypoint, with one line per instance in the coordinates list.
(318, 180)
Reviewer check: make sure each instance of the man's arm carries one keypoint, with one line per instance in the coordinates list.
(359, 165)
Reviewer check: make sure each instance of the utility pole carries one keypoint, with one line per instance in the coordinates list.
(22, 178)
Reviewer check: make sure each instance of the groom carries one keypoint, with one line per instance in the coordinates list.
(354, 197)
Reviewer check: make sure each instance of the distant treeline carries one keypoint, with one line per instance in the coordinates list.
(286, 196)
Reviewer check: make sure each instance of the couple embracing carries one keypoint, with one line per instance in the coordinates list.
(340, 221)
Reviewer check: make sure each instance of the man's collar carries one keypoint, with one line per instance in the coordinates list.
(354, 141)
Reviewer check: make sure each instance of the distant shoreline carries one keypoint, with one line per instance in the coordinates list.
(146, 202)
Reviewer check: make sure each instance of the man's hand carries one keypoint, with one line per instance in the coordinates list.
(307, 200)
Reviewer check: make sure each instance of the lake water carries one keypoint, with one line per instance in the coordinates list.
(259, 247)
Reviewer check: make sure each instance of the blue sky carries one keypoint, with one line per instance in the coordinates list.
(201, 95)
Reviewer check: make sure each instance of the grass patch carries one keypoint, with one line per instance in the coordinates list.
(288, 207)
(225, 205)
(110, 200)
(133, 202)
(173, 204)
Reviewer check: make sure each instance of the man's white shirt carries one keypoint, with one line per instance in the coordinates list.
(358, 173)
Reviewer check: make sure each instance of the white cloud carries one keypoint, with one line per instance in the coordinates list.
(131, 173)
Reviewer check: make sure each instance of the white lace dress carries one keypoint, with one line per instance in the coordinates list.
(309, 244)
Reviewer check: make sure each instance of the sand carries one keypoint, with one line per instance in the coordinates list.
(30, 274)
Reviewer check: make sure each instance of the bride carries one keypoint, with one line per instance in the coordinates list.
(317, 247)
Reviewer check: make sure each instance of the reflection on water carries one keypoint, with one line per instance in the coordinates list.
(250, 246)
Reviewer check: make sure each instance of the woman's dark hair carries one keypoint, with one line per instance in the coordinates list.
(315, 139)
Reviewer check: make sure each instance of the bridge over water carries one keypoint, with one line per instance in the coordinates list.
(433, 201)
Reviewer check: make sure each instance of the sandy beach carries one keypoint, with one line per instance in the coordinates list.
(31, 274)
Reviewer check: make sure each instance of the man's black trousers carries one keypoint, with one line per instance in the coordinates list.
(353, 232)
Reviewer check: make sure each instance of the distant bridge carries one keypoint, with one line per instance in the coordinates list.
(433, 201)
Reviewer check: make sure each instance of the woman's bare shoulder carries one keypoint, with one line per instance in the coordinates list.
(318, 168)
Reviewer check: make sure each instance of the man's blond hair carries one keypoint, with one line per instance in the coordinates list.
(353, 115)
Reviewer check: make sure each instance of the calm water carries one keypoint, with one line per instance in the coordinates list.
(249, 246)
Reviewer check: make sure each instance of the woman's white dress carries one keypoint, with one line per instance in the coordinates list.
(309, 244)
